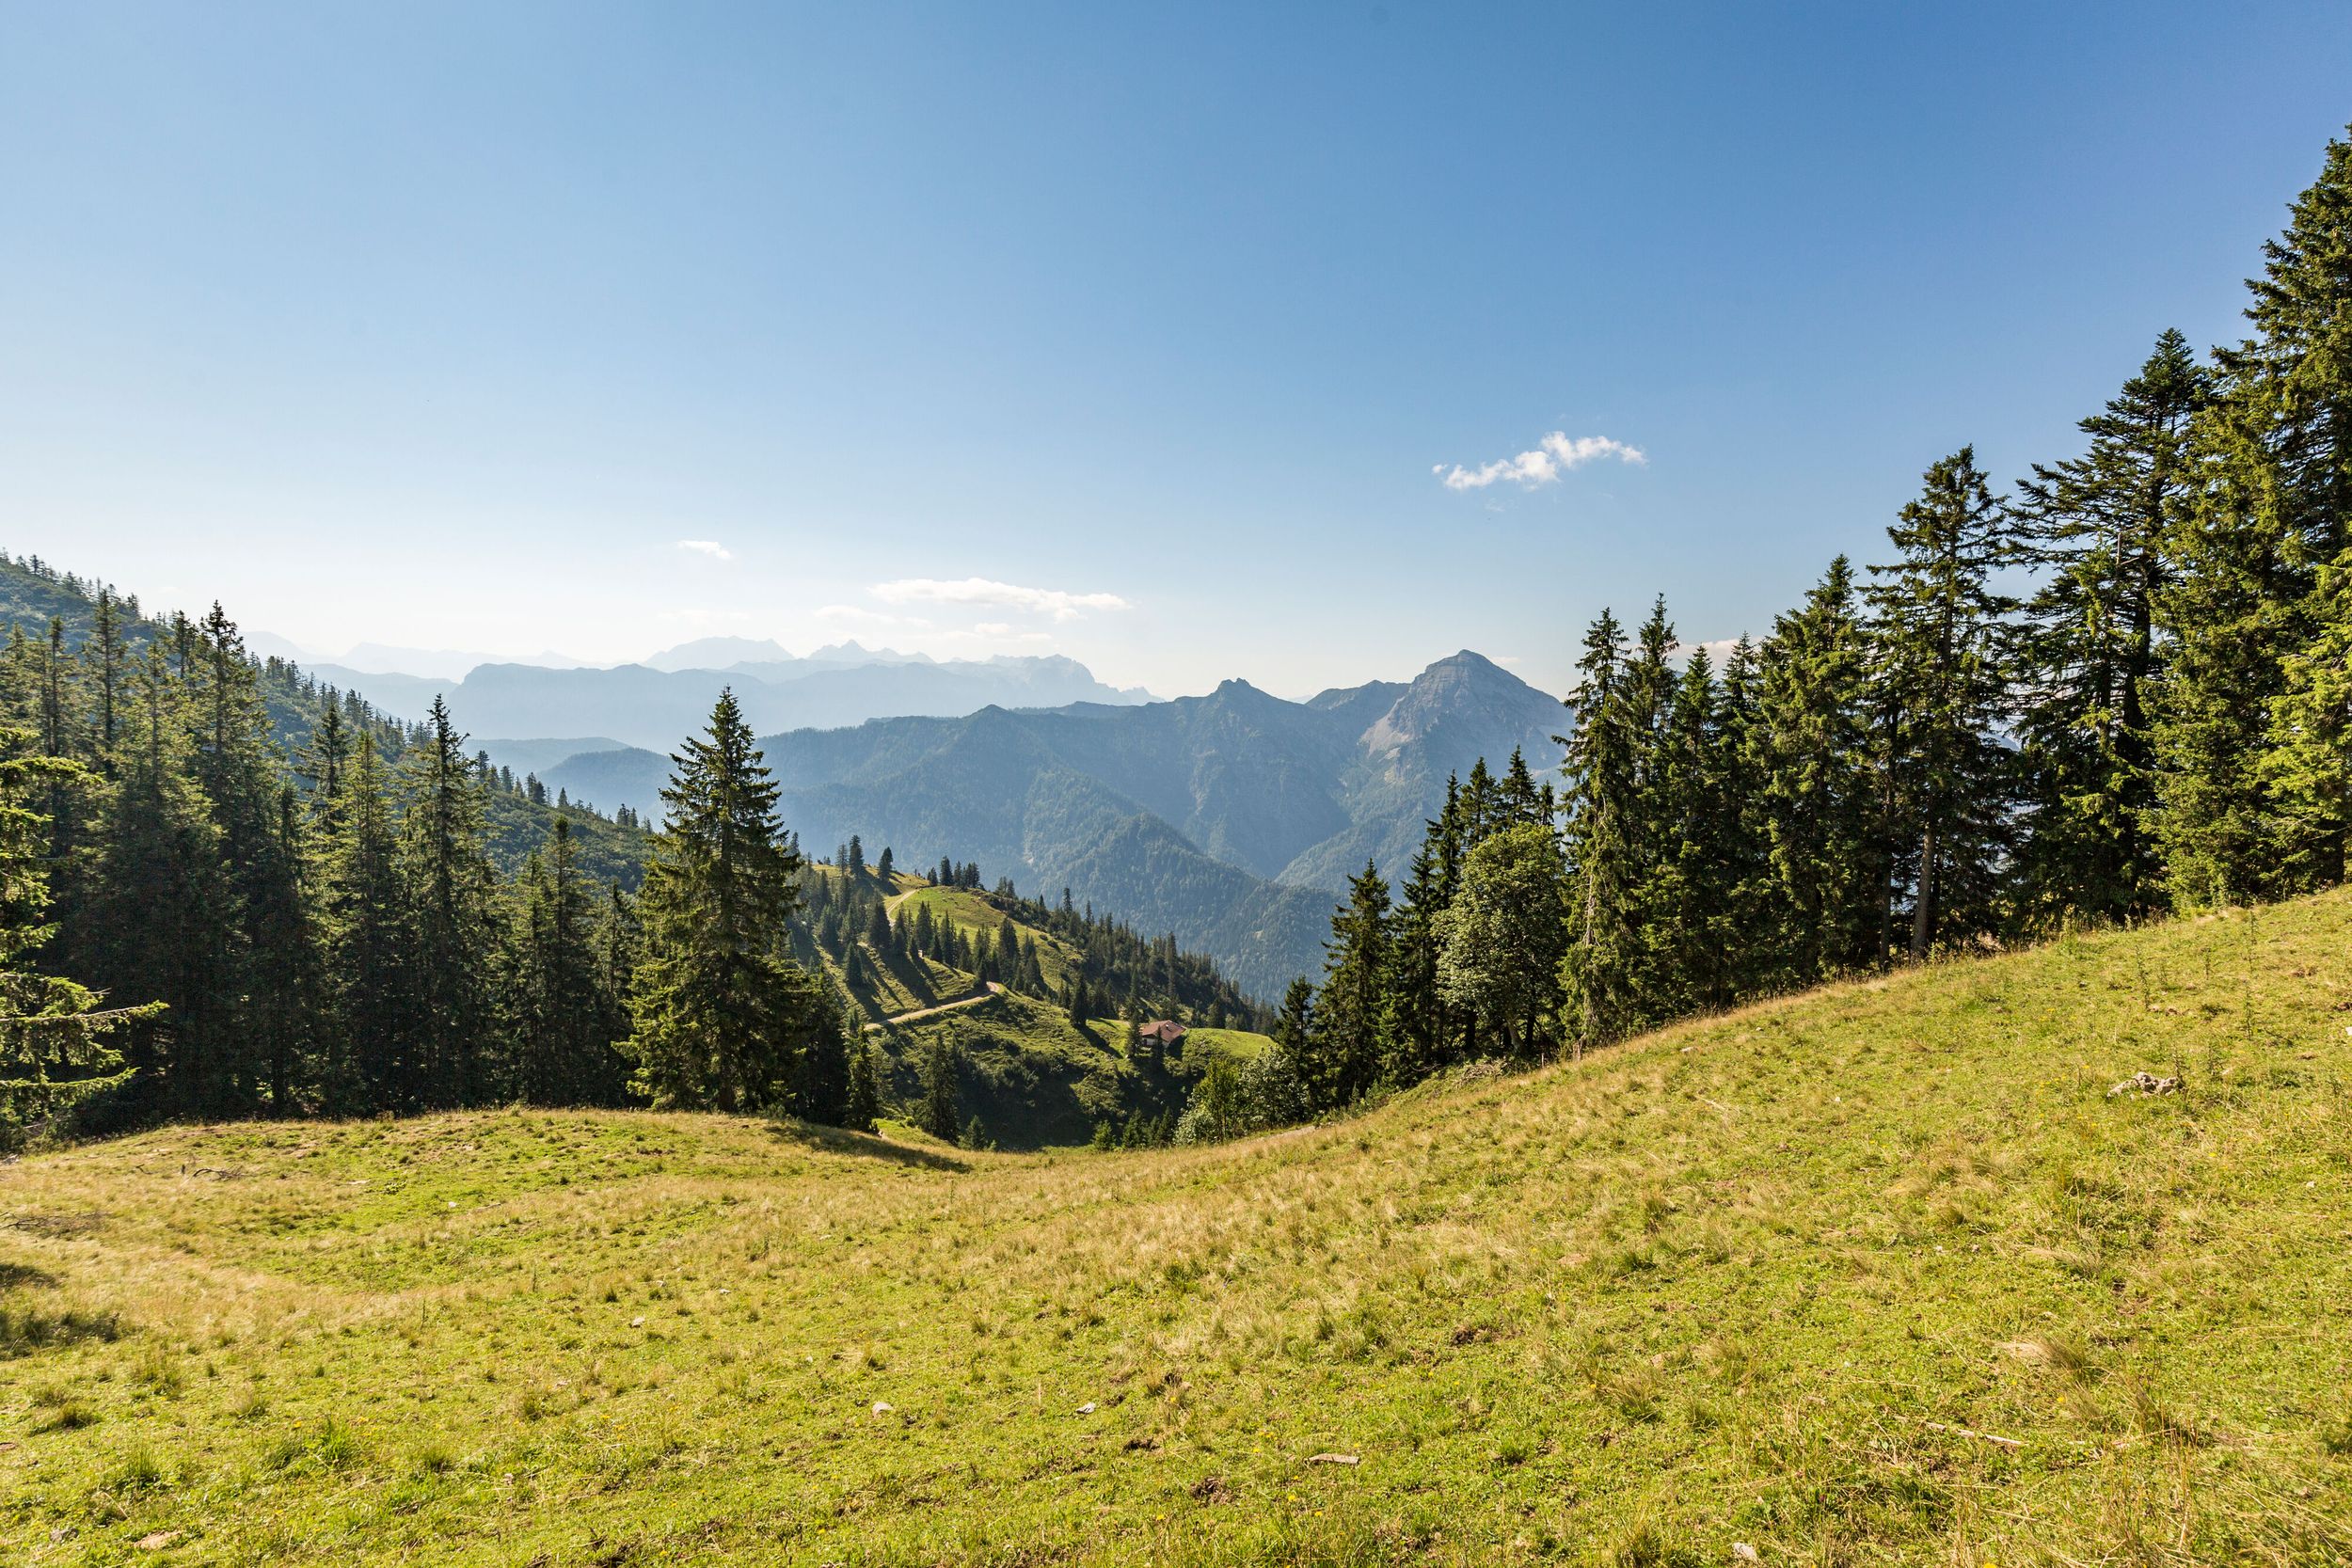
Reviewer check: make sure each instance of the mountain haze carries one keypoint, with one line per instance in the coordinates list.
(638, 704)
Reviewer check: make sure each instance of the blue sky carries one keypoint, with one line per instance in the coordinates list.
(1139, 333)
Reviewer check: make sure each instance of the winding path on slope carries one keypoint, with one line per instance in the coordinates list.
(993, 990)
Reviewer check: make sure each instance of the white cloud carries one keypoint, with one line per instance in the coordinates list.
(1054, 602)
(1554, 455)
(710, 547)
(1719, 649)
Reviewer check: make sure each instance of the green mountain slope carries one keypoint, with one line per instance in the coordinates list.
(1034, 1079)
(1033, 1076)
(1883, 1274)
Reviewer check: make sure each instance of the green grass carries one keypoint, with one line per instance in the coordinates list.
(973, 913)
(1779, 1278)
(1241, 1045)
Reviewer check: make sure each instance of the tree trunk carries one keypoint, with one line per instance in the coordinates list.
(1923, 904)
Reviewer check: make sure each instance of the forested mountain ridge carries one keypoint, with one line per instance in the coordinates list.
(35, 596)
(307, 906)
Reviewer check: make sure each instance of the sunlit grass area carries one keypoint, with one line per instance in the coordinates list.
(1879, 1274)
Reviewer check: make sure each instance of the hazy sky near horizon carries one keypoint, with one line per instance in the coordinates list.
(1302, 343)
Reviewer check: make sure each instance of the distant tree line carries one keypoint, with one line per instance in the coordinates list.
(2121, 689)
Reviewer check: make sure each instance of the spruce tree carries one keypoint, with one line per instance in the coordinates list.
(54, 1051)
(2307, 765)
(1695, 933)
(721, 1011)
(159, 915)
(1278, 1080)
(620, 943)
(1502, 939)
(107, 654)
(821, 1088)
(1601, 964)
(562, 1047)
(1810, 752)
(266, 957)
(2248, 803)
(939, 1090)
(321, 765)
(864, 1098)
(1416, 1028)
(1739, 836)
(1357, 974)
(2098, 525)
(450, 891)
(1944, 634)
(370, 935)
(1645, 692)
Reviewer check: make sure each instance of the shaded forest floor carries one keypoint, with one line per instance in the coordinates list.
(1878, 1273)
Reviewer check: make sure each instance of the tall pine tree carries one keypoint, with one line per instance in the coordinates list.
(721, 1011)
(2098, 525)
(1944, 634)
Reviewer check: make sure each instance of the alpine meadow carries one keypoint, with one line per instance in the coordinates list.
(1872, 1089)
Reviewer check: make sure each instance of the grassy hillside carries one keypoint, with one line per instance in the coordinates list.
(1877, 1275)
(1032, 1077)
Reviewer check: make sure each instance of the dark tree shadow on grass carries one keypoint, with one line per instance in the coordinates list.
(836, 1140)
(24, 1331)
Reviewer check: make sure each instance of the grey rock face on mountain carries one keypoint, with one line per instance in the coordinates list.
(1228, 819)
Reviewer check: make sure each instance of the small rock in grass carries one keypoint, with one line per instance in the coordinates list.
(1332, 1459)
(158, 1540)
(638, 1322)
(2146, 1083)
(1086, 1409)
(1744, 1552)
(882, 1408)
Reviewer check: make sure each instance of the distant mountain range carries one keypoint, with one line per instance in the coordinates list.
(654, 706)
(1227, 819)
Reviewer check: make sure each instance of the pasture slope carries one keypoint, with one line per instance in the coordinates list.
(1881, 1274)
